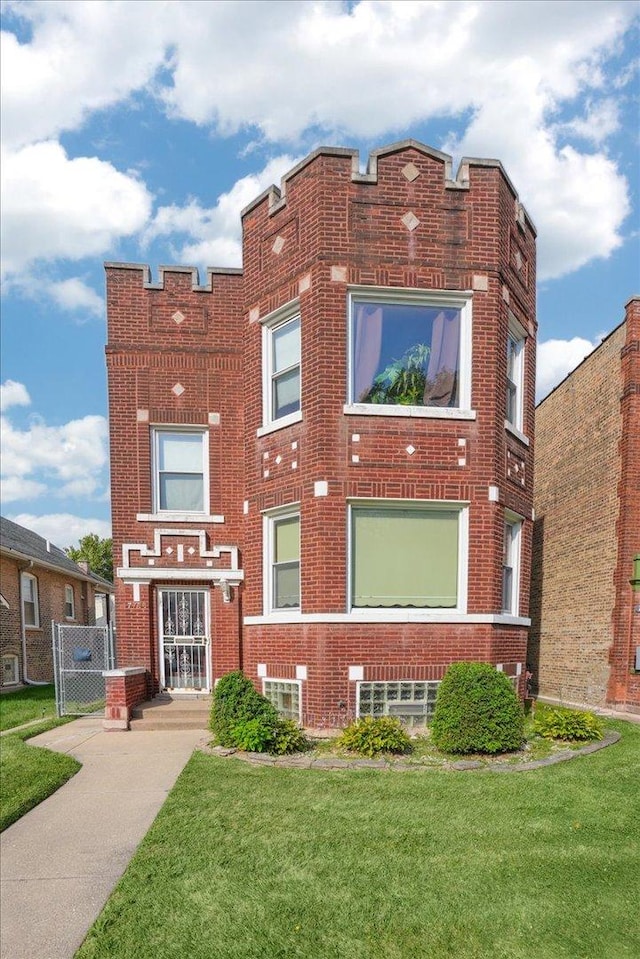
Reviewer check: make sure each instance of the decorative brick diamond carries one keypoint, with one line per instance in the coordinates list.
(191, 551)
(169, 550)
(518, 259)
(278, 459)
(278, 245)
(411, 221)
(410, 172)
(411, 449)
(178, 318)
(178, 389)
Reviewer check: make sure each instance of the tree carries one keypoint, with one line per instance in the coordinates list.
(98, 553)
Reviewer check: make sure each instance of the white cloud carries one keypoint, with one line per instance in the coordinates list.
(66, 461)
(214, 233)
(372, 69)
(57, 207)
(13, 394)
(557, 358)
(63, 529)
(74, 294)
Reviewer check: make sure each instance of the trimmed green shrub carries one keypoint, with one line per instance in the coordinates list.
(477, 711)
(235, 702)
(571, 725)
(289, 738)
(372, 736)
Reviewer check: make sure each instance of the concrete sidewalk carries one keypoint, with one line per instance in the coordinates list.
(60, 862)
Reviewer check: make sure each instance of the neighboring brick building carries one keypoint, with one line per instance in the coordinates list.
(39, 584)
(585, 600)
(322, 463)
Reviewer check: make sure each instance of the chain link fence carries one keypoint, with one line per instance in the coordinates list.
(80, 655)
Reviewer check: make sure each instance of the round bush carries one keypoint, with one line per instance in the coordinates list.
(374, 735)
(235, 702)
(477, 711)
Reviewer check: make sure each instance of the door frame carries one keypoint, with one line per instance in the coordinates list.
(185, 588)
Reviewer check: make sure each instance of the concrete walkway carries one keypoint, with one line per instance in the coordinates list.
(60, 862)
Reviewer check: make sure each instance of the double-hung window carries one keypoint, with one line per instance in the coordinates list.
(180, 474)
(410, 348)
(282, 545)
(30, 606)
(281, 369)
(69, 603)
(511, 564)
(407, 556)
(515, 375)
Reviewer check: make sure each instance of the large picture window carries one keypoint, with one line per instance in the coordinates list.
(180, 474)
(404, 556)
(410, 349)
(283, 562)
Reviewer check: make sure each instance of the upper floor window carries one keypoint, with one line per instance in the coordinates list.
(407, 555)
(511, 564)
(281, 370)
(30, 606)
(180, 480)
(282, 539)
(515, 374)
(410, 348)
(69, 603)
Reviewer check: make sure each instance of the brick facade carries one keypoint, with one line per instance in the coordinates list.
(585, 611)
(185, 355)
(51, 602)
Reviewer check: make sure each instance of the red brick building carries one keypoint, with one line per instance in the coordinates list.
(585, 636)
(322, 463)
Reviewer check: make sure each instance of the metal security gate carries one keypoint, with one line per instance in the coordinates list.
(184, 639)
(80, 654)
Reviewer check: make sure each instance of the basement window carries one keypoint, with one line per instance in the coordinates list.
(412, 702)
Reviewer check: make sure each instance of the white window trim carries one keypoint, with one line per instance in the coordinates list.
(270, 323)
(268, 519)
(28, 576)
(69, 591)
(158, 513)
(402, 615)
(399, 295)
(292, 682)
(516, 521)
(518, 333)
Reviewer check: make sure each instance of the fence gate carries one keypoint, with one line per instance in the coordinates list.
(80, 654)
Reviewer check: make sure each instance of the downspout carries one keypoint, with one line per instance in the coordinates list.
(23, 630)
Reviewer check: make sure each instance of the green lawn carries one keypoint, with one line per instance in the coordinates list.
(28, 774)
(23, 705)
(251, 862)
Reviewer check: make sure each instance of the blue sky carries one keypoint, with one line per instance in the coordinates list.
(136, 131)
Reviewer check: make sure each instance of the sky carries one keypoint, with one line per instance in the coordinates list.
(137, 131)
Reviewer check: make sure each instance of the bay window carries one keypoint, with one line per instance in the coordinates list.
(282, 566)
(281, 368)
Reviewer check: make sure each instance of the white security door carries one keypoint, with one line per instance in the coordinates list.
(185, 639)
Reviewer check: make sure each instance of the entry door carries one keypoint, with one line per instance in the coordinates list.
(185, 639)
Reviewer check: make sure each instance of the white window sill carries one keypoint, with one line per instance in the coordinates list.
(177, 518)
(419, 412)
(510, 428)
(33, 627)
(388, 616)
(279, 424)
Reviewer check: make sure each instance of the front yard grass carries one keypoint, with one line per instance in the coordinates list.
(28, 774)
(26, 704)
(262, 862)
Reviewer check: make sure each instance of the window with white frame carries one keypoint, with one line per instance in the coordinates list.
(69, 603)
(281, 370)
(282, 539)
(406, 555)
(410, 348)
(511, 564)
(515, 374)
(30, 607)
(180, 470)
(10, 670)
(410, 701)
(284, 694)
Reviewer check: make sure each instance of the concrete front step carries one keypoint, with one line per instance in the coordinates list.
(172, 712)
